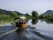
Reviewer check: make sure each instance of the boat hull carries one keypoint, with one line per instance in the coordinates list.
(22, 26)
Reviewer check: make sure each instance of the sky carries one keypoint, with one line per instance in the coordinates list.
(27, 6)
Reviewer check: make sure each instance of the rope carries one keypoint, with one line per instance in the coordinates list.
(8, 32)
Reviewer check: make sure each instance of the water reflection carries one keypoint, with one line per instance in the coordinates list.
(47, 21)
(30, 33)
(42, 20)
(42, 36)
(34, 21)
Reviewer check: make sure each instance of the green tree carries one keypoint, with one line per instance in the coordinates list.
(50, 17)
(42, 16)
(34, 21)
(34, 14)
(27, 14)
(14, 14)
(4, 17)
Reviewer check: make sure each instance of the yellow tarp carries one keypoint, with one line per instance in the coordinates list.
(24, 25)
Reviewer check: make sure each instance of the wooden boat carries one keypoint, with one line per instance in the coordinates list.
(21, 23)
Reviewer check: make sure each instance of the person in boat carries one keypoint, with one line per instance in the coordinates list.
(21, 22)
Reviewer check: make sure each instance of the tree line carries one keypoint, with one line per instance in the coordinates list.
(4, 17)
(48, 17)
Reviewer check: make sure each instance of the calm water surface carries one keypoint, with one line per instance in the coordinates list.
(40, 30)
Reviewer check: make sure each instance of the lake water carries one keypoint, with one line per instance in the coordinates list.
(36, 30)
(43, 27)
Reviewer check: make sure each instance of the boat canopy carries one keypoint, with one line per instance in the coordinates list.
(23, 17)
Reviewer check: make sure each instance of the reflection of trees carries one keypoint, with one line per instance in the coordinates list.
(47, 21)
(34, 21)
(42, 20)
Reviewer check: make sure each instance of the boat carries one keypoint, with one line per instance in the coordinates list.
(21, 23)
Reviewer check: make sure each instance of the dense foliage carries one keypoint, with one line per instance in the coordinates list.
(34, 14)
(50, 17)
(10, 15)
